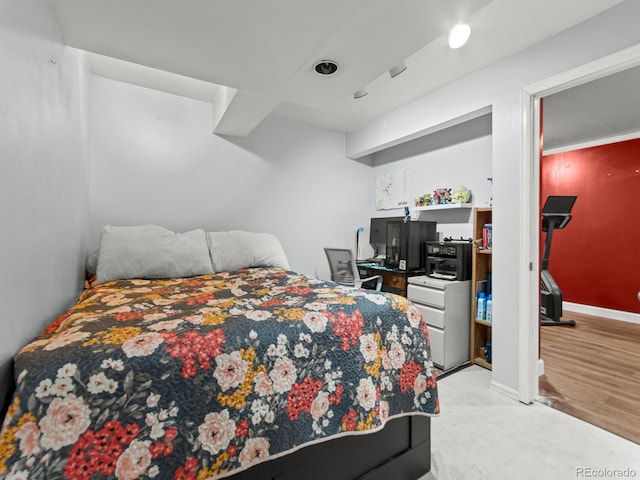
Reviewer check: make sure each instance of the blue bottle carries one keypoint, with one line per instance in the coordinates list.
(489, 308)
(481, 306)
(487, 352)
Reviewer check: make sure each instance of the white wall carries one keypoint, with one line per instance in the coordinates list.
(43, 175)
(459, 155)
(155, 160)
(500, 87)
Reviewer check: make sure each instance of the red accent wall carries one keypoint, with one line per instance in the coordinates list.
(596, 259)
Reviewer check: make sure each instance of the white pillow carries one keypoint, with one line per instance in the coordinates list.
(150, 251)
(91, 265)
(237, 249)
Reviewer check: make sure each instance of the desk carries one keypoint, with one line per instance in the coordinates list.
(393, 280)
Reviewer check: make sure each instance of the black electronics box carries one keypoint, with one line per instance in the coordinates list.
(448, 260)
(405, 241)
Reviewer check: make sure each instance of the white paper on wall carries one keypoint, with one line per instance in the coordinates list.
(392, 189)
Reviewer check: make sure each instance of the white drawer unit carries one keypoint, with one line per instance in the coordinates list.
(445, 306)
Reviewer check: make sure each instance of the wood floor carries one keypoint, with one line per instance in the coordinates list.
(592, 372)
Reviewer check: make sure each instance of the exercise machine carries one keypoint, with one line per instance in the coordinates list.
(556, 214)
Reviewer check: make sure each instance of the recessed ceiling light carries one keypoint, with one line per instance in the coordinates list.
(325, 67)
(459, 35)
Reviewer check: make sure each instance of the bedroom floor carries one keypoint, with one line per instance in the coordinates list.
(483, 434)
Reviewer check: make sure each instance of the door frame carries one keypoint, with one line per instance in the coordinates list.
(530, 366)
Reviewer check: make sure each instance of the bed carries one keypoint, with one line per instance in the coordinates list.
(254, 373)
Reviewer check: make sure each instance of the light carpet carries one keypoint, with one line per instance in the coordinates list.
(483, 434)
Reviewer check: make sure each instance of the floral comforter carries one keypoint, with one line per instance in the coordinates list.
(201, 377)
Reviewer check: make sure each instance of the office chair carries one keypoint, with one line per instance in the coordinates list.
(345, 271)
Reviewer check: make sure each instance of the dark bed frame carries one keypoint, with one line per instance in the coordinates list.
(400, 451)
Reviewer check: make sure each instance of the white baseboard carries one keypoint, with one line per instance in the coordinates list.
(508, 391)
(602, 312)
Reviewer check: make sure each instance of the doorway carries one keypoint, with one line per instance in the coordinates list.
(530, 366)
(591, 149)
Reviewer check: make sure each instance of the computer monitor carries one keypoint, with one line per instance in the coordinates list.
(378, 233)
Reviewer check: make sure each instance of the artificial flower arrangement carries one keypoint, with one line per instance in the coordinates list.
(442, 196)
(423, 200)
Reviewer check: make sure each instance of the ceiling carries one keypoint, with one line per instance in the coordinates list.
(601, 109)
(254, 58)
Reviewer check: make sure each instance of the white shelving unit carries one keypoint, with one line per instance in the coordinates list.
(444, 206)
